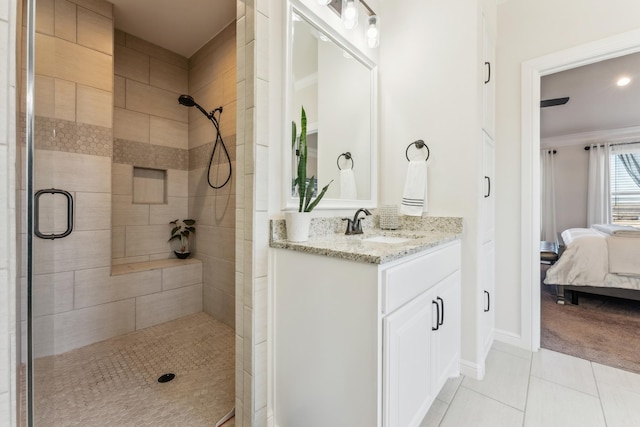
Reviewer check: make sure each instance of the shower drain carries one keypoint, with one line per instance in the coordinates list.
(165, 378)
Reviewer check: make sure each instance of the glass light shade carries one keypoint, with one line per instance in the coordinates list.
(373, 31)
(350, 13)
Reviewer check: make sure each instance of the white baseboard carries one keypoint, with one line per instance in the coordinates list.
(472, 370)
(511, 339)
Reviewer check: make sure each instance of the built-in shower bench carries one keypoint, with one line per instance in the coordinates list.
(163, 290)
(135, 267)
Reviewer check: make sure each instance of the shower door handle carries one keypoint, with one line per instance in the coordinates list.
(36, 219)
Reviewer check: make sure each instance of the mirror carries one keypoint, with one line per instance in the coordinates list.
(336, 85)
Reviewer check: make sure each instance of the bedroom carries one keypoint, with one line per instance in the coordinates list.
(600, 111)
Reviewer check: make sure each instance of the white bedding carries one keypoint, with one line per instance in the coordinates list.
(585, 261)
(624, 255)
(618, 230)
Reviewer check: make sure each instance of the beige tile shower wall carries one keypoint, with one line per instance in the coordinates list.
(74, 145)
(212, 83)
(140, 231)
(77, 308)
(151, 131)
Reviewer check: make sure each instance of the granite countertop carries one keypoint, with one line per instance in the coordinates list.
(327, 238)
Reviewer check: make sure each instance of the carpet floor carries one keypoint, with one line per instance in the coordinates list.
(601, 329)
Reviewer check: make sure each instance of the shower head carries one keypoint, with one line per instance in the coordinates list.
(186, 100)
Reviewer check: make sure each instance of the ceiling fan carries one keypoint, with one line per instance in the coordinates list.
(553, 102)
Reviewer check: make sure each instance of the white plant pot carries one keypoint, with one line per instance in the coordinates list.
(297, 226)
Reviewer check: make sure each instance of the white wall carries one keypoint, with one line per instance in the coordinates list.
(429, 91)
(528, 29)
(571, 167)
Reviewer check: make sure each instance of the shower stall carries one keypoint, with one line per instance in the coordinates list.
(110, 159)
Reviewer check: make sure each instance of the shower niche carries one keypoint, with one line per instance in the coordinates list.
(149, 186)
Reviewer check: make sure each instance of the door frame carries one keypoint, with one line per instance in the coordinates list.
(532, 71)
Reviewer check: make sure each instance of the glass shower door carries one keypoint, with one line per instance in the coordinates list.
(66, 111)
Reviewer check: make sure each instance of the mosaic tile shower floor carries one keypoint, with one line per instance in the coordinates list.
(114, 382)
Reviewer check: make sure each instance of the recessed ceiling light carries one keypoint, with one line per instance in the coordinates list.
(623, 81)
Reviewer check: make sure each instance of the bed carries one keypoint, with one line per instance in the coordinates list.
(603, 259)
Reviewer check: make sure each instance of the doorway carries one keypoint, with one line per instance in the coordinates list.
(532, 71)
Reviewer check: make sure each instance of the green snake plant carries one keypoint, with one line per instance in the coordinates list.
(305, 189)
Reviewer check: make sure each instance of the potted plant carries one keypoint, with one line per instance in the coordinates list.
(183, 232)
(298, 222)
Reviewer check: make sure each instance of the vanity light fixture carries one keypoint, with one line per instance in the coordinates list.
(623, 81)
(373, 31)
(350, 13)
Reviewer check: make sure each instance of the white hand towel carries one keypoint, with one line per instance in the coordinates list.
(348, 185)
(414, 198)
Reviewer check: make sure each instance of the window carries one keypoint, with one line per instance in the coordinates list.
(625, 185)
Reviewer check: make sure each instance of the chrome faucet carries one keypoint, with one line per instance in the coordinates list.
(354, 226)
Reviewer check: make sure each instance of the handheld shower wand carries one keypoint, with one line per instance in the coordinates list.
(188, 101)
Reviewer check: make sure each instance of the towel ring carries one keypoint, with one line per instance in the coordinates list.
(347, 156)
(419, 145)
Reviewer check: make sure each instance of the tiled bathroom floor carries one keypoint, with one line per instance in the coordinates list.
(542, 389)
(114, 382)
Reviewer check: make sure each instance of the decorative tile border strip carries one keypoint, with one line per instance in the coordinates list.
(71, 137)
(199, 156)
(149, 156)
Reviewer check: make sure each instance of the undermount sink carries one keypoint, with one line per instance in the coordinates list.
(386, 239)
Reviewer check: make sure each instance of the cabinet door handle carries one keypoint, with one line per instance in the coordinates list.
(488, 193)
(441, 320)
(488, 65)
(437, 316)
(488, 301)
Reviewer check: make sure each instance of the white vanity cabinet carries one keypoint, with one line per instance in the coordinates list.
(359, 344)
(420, 351)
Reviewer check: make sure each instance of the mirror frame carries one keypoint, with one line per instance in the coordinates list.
(289, 202)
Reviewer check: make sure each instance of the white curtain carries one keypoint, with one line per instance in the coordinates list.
(598, 187)
(548, 231)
